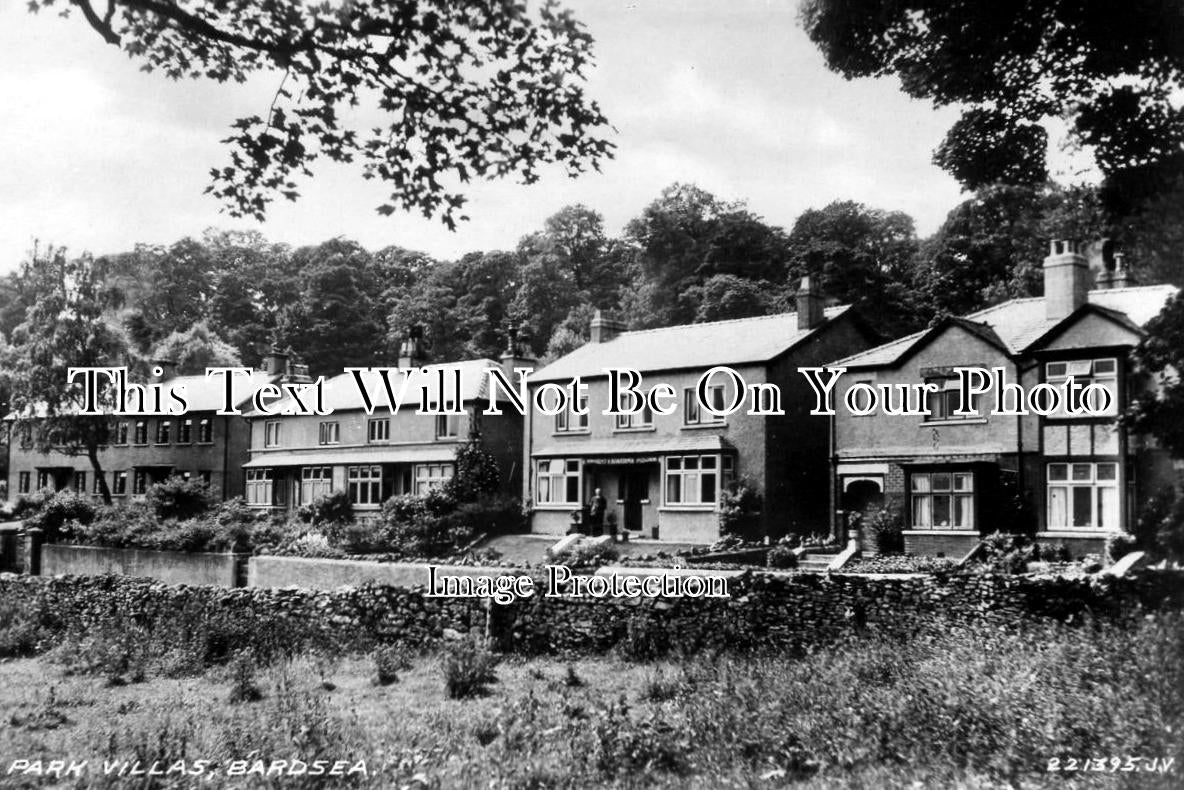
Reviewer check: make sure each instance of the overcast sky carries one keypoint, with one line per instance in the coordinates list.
(732, 96)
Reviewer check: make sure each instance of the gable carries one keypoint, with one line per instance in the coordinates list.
(953, 345)
(1090, 330)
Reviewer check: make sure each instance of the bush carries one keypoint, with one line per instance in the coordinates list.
(21, 630)
(1160, 527)
(588, 555)
(468, 667)
(331, 508)
(178, 498)
(887, 530)
(242, 679)
(59, 514)
(389, 661)
(782, 556)
(740, 506)
(1120, 545)
(476, 474)
(1007, 553)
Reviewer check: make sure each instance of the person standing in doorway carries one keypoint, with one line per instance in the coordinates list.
(596, 510)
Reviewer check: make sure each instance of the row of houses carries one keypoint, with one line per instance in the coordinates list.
(948, 477)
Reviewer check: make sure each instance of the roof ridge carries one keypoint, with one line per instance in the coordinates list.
(726, 321)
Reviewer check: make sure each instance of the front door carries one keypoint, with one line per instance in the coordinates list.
(635, 487)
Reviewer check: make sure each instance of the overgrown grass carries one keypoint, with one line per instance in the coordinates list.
(945, 706)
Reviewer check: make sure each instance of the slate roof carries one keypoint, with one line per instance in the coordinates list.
(735, 342)
(341, 392)
(1018, 323)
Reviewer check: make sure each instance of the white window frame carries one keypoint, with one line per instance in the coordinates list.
(555, 475)
(1065, 479)
(948, 399)
(24, 481)
(140, 436)
(260, 487)
(692, 412)
(447, 426)
(164, 431)
(185, 432)
(1084, 372)
(315, 481)
(119, 482)
(682, 481)
(364, 484)
(329, 433)
(205, 431)
(425, 477)
(638, 421)
(378, 430)
(271, 433)
(570, 420)
(924, 495)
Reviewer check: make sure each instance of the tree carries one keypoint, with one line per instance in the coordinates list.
(1113, 73)
(196, 349)
(468, 89)
(67, 326)
(858, 255)
(726, 296)
(1160, 356)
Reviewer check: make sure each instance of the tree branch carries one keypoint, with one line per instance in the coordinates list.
(103, 26)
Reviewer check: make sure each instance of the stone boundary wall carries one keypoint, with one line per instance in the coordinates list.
(788, 612)
(170, 567)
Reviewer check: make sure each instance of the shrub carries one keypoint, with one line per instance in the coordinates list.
(886, 527)
(389, 661)
(588, 555)
(331, 508)
(21, 630)
(1119, 545)
(242, 679)
(476, 474)
(118, 650)
(1160, 527)
(782, 556)
(468, 667)
(1007, 553)
(60, 514)
(178, 498)
(740, 506)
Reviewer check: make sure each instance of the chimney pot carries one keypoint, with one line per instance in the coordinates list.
(411, 351)
(604, 329)
(276, 362)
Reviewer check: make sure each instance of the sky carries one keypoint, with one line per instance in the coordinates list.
(96, 155)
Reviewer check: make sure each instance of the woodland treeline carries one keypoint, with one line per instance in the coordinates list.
(226, 297)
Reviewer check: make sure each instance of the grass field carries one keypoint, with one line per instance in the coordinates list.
(962, 708)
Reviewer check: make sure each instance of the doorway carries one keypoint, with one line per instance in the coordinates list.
(635, 491)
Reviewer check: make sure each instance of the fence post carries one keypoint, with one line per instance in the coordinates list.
(33, 538)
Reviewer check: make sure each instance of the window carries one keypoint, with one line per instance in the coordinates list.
(1084, 372)
(22, 486)
(80, 482)
(163, 429)
(429, 476)
(119, 483)
(141, 432)
(260, 484)
(692, 479)
(642, 419)
(943, 405)
(379, 430)
(330, 433)
(315, 481)
(185, 432)
(121, 432)
(570, 421)
(271, 433)
(942, 500)
(205, 430)
(43, 480)
(693, 414)
(447, 426)
(139, 482)
(558, 482)
(205, 476)
(1083, 496)
(97, 487)
(365, 485)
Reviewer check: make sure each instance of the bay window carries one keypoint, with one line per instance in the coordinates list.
(260, 485)
(558, 482)
(365, 485)
(692, 480)
(1083, 496)
(315, 481)
(429, 476)
(942, 500)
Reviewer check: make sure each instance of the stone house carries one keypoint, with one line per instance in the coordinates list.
(950, 477)
(144, 450)
(295, 458)
(662, 474)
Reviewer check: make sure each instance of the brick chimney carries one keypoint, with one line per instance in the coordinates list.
(516, 356)
(810, 305)
(1066, 280)
(168, 370)
(275, 363)
(411, 351)
(605, 329)
(1122, 276)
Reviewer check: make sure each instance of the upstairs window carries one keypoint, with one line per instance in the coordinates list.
(141, 432)
(164, 429)
(570, 420)
(185, 432)
(636, 421)
(447, 426)
(121, 432)
(330, 433)
(379, 430)
(943, 405)
(271, 433)
(1085, 372)
(694, 414)
(205, 430)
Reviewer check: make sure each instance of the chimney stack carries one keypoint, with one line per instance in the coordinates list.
(276, 361)
(810, 306)
(515, 357)
(411, 351)
(605, 329)
(168, 370)
(1122, 276)
(1066, 280)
